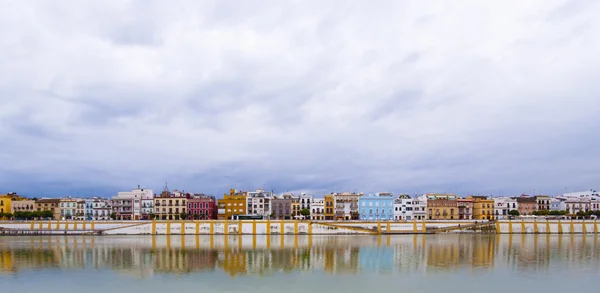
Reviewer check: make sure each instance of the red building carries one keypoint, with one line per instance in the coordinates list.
(201, 207)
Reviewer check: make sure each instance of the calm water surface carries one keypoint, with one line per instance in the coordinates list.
(435, 263)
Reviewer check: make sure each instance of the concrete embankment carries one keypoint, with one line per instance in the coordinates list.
(273, 227)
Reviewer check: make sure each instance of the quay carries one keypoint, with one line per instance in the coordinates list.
(294, 227)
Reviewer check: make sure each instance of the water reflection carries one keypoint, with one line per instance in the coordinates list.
(266, 255)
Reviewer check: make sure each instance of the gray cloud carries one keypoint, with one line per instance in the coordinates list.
(491, 98)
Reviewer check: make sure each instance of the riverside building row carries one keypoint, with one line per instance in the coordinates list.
(144, 204)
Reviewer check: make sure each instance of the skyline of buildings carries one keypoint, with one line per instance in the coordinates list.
(144, 204)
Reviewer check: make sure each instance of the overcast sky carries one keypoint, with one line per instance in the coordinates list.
(470, 97)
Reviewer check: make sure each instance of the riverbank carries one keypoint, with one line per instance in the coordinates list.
(283, 227)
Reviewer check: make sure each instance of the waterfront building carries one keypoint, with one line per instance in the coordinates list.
(127, 205)
(5, 204)
(329, 207)
(49, 204)
(281, 208)
(503, 205)
(317, 209)
(80, 211)
(543, 202)
(346, 205)
(259, 203)
(147, 204)
(408, 208)
(201, 207)
(305, 201)
(558, 204)
(68, 208)
(483, 207)
(295, 204)
(232, 205)
(96, 209)
(592, 195)
(442, 206)
(527, 205)
(170, 205)
(575, 205)
(378, 206)
(465, 208)
(22, 206)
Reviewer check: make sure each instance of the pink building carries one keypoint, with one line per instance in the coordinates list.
(201, 207)
(527, 204)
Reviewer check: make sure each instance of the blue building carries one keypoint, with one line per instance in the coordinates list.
(378, 206)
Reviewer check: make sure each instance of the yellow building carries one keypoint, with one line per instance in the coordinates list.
(5, 204)
(49, 204)
(442, 207)
(483, 208)
(329, 207)
(23, 206)
(232, 205)
(170, 205)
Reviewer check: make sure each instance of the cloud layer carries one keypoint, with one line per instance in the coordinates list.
(406, 96)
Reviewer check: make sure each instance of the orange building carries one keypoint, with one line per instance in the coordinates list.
(483, 207)
(232, 205)
(442, 207)
(329, 207)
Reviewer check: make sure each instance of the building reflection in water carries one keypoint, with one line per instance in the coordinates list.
(263, 255)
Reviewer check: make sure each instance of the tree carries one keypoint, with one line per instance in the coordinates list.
(514, 213)
(113, 216)
(305, 212)
(46, 214)
(183, 216)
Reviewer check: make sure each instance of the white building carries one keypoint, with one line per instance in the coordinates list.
(305, 201)
(346, 205)
(147, 203)
(127, 205)
(557, 204)
(317, 209)
(407, 208)
(592, 196)
(259, 203)
(575, 205)
(503, 205)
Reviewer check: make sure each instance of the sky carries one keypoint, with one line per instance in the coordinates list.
(468, 97)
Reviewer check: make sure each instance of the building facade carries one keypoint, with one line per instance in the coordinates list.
(527, 205)
(68, 208)
(202, 207)
(483, 207)
(557, 204)
(317, 209)
(281, 208)
(543, 202)
(575, 205)
(96, 209)
(376, 207)
(49, 204)
(503, 206)
(22, 206)
(442, 207)
(329, 207)
(5, 204)
(232, 204)
(465, 208)
(258, 203)
(407, 208)
(346, 206)
(170, 205)
(127, 205)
